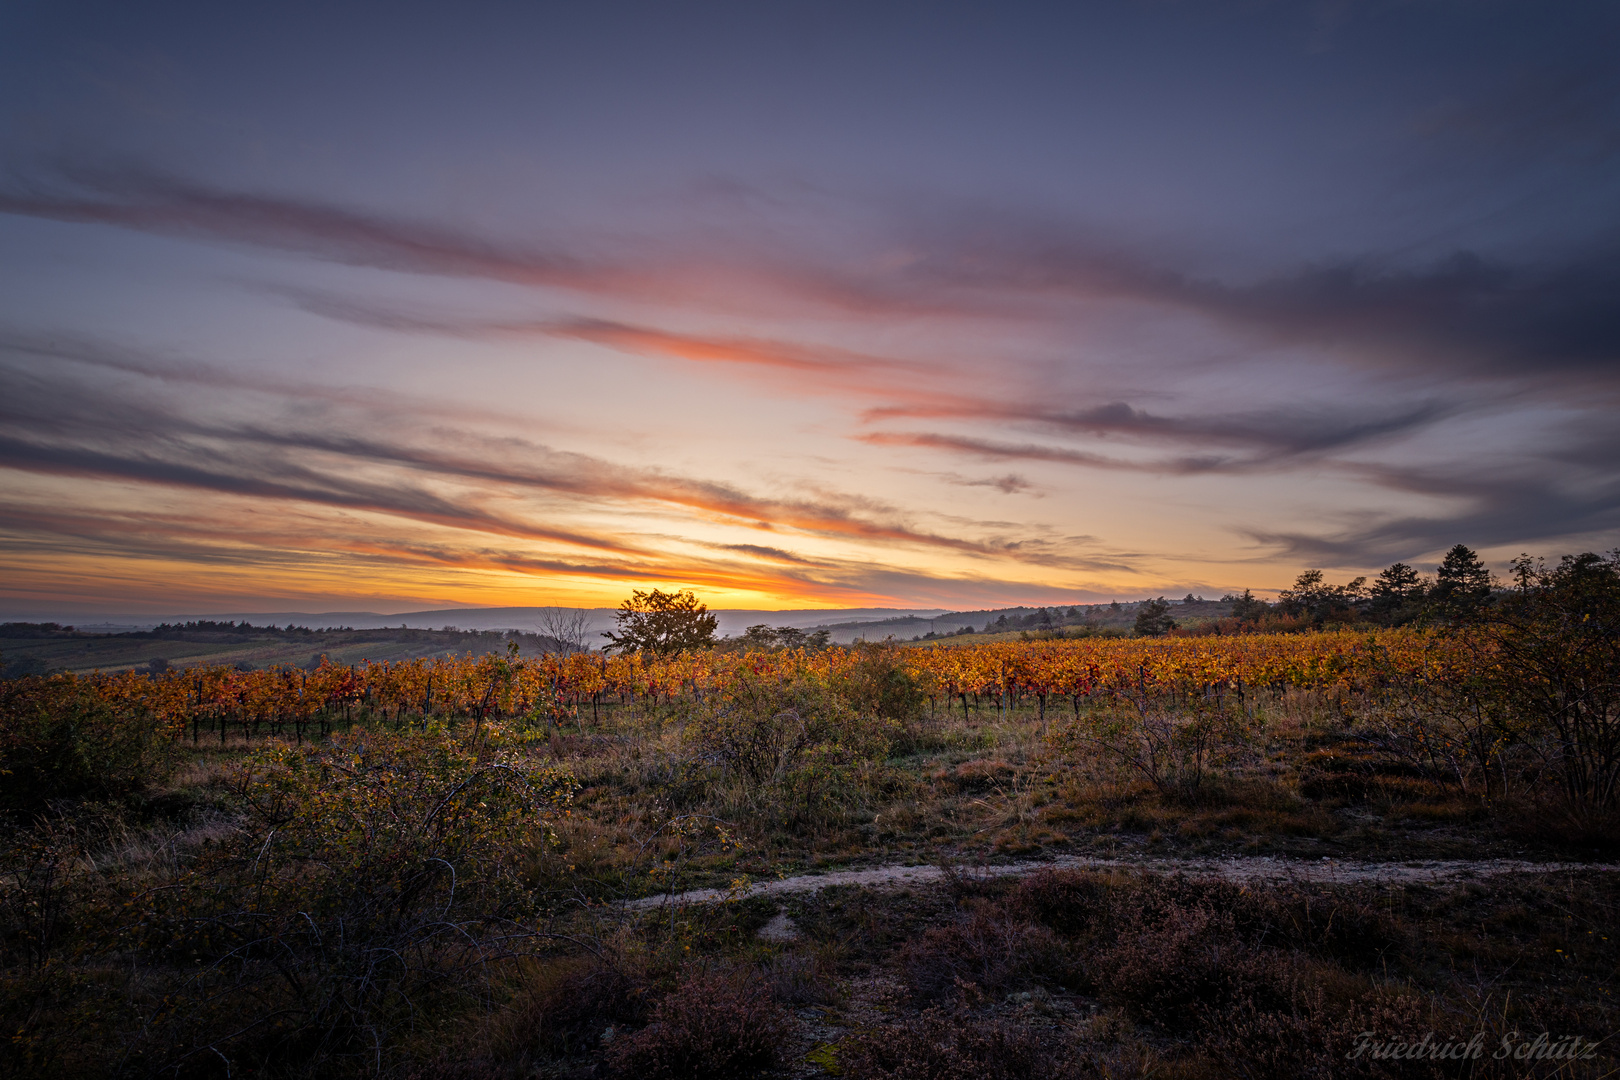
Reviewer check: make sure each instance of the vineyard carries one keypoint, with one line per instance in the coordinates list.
(1434, 694)
(574, 689)
(420, 868)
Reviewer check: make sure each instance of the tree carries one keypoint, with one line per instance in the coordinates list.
(1247, 607)
(763, 638)
(759, 637)
(663, 623)
(1396, 594)
(791, 637)
(567, 628)
(1558, 640)
(1153, 618)
(1462, 586)
(1314, 598)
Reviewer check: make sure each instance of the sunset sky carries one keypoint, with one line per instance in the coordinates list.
(397, 306)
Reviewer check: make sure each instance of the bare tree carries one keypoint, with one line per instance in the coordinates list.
(566, 627)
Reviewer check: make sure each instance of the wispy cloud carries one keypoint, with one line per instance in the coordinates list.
(1527, 505)
(1277, 431)
(446, 477)
(1007, 483)
(1468, 313)
(1241, 442)
(150, 201)
(913, 389)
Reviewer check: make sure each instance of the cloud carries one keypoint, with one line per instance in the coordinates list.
(770, 554)
(915, 391)
(150, 201)
(1466, 313)
(716, 271)
(1272, 439)
(818, 360)
(1007, 484)
(57, 425)
(1518, 507)
(755, 352)
(1469, 313)
(1481, 314)
(165, 369)
(998, 450)
(806, 367)
(1523, 324)
(43, 543)
(208, 470)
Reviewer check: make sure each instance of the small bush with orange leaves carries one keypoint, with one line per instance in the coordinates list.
(61, 738)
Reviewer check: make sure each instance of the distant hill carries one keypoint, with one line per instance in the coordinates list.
(733, 621)
(1112, 616)
(298, 639)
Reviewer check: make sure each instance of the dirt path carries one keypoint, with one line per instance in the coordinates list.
(1246, 868)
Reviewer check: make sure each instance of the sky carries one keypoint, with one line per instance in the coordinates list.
(797, 304)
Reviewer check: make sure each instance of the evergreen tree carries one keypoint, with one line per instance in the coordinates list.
(1153, 618)
(1397, 595)
(1462, 586)
(1247, 607)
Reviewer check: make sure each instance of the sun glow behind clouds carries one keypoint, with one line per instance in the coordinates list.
(295, 494)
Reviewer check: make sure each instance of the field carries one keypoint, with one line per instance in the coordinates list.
(1128, 857)
(38, 649)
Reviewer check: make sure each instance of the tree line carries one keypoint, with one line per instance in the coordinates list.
(1462, 590)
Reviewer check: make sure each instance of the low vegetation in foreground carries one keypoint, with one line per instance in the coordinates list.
(421, 869)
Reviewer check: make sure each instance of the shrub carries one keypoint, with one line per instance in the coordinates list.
(880, 685)
(985, 953)
(570, 1005)
(790, 741)
(372, 875)
(711, 1027)
(1345, 925)
(1532, 694)
(60, 739)
(1069, 901)
(762, 729)
(1252, 975)
(1558, 645)
(944, 1046)
(1169, 968)
(1170, 736)
(1310, 1039)
(797, 978)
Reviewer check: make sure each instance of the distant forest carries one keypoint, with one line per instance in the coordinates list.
(1460, 590)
